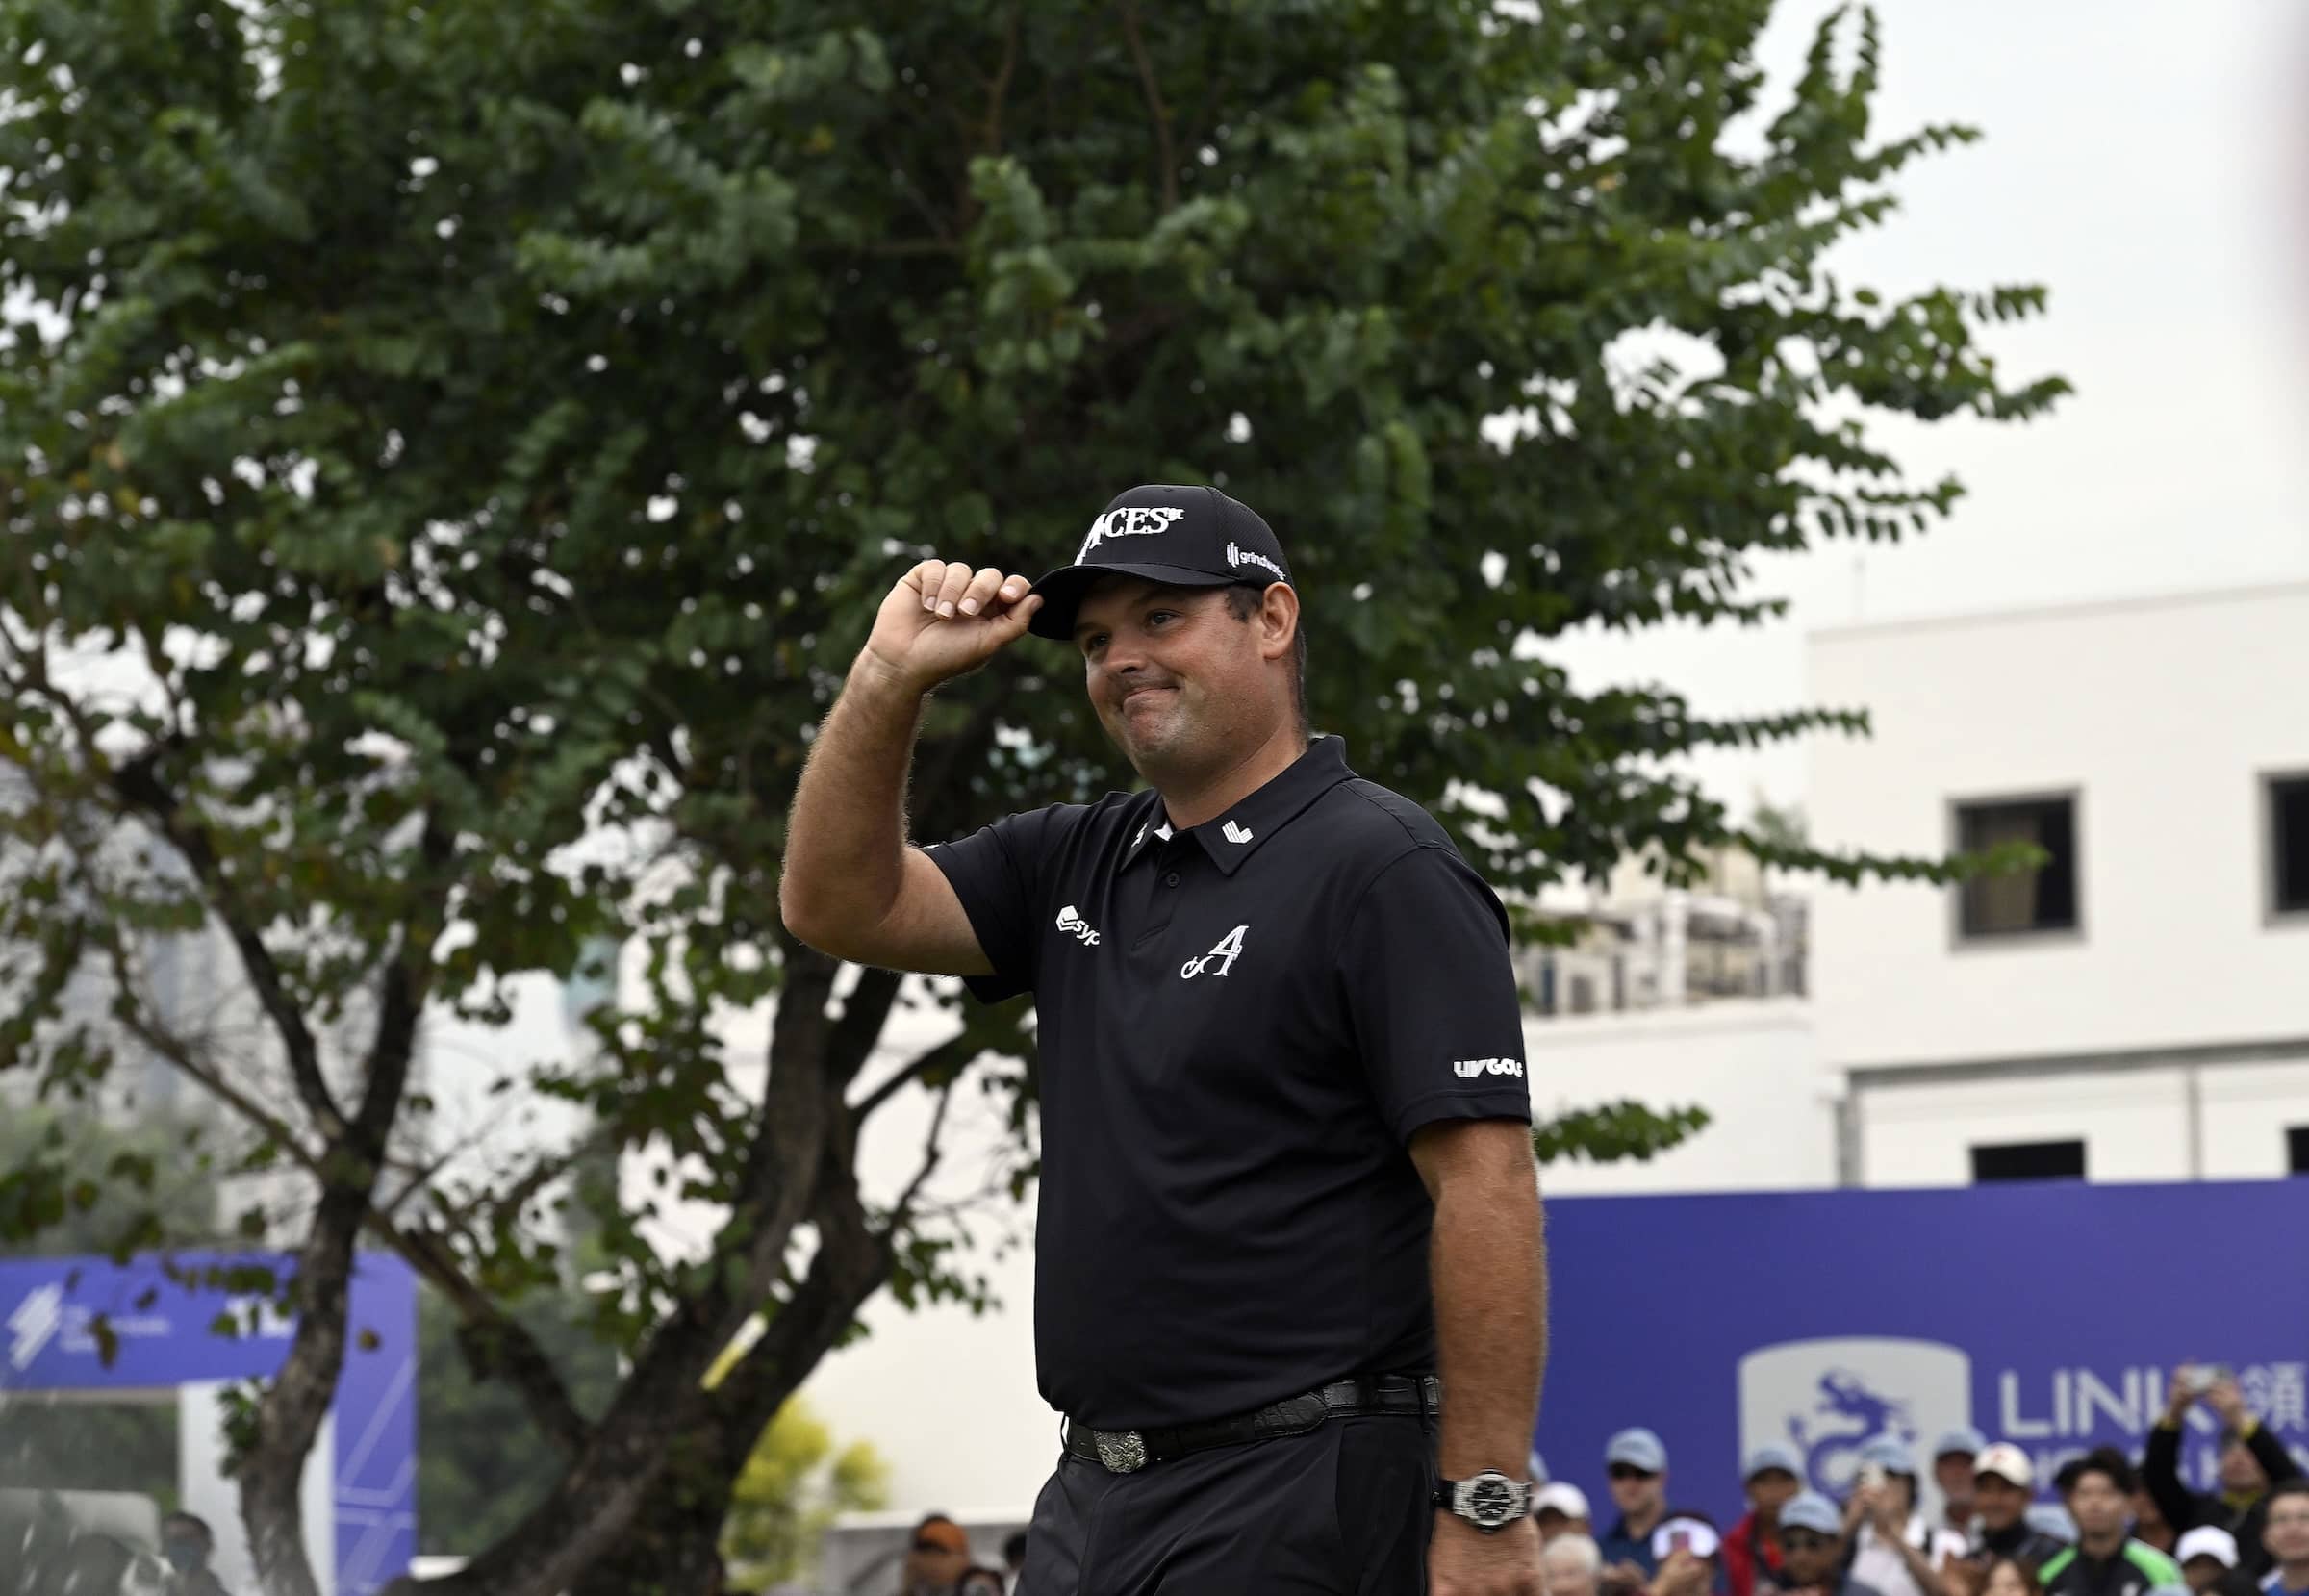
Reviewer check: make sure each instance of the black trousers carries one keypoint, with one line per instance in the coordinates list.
(1342, 1511)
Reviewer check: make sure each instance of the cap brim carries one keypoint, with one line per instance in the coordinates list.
(1062, 591)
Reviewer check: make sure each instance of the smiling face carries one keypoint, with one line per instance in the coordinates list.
(2000, 1503)
(1182, 686)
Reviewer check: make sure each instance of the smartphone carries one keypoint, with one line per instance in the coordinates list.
(1872, 1476)
(2203, 1376)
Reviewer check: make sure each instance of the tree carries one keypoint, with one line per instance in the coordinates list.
(478, 435)
(789, 1492)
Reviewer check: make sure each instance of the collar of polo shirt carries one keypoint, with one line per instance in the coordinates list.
(1265, 812)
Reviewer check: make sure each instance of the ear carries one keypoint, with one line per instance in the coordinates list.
(1277, 620)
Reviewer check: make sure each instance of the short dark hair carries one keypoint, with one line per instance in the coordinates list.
(1242, 602)
(1014, 1549)
(191, 1521)
(2101, 1459)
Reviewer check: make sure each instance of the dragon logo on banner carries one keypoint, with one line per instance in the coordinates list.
(1828, 1398)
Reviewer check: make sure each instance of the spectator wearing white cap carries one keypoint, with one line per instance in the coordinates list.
(2004, 1483)
(1636, 1462)
(1771, 1474)
(1562, 1509)
(1894, 1547)
(2208, 1560)
(1570, 1563)
(1811, 1546)
(1954, 1457)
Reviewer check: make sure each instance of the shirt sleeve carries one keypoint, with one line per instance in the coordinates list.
(1430, 994)
(997, 871)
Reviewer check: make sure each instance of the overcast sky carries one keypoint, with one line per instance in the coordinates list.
(2151, 164)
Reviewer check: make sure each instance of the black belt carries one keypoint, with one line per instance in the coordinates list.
(1127, 1450)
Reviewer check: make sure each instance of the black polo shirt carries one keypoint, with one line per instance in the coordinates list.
(1240, 1027)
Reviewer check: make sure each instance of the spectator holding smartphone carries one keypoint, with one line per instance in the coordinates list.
(2252, 1461)
(1893, 1548)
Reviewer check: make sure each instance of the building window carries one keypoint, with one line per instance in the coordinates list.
(2297, 1149)
(2040, 899)
(2289, 843)
(2029, 1162)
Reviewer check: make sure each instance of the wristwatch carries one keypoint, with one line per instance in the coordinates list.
(1488, 1500)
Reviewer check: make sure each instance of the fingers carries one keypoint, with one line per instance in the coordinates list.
(985, 586)
(952, 582)
(951, 588)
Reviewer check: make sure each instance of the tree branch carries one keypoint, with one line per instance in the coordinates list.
(142, 792)
(1155, 105)
(954, 1052)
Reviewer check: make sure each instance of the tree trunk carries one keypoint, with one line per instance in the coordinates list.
(670, 1549)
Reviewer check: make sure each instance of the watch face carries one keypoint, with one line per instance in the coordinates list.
(1490, 1499)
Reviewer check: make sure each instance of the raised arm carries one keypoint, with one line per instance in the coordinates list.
(2161, 1457)
(851, 886)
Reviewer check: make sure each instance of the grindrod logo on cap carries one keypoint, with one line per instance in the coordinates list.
(1244, 557)
(1138, 520)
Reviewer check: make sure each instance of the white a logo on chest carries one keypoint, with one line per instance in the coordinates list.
(1229, 949)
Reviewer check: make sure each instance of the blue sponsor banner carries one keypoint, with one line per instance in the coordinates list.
(2050, 1316)
(57, 1315)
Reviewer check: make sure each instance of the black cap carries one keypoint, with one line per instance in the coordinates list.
(1181, 537)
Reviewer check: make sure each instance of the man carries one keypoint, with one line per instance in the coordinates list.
(1569, 1564)
(1751, 1551)
(2252, 1461)
(188, 1543)
(2105, 1560)
(1636, 1464)
(1955, 1459)
(935, 1559)
(1894, 1549)
(2004, 1483)
(1287, 1170)
(2285, 1534)
(1811, 1543)
(1560, 1509)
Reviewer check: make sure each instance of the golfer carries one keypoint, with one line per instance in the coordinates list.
(1289, 1280)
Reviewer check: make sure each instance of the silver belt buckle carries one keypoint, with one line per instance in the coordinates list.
(1120, 1451)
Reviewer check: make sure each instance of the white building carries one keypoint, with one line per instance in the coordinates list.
(2138, 1010)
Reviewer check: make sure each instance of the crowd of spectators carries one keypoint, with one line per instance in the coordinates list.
(2120, 1527)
